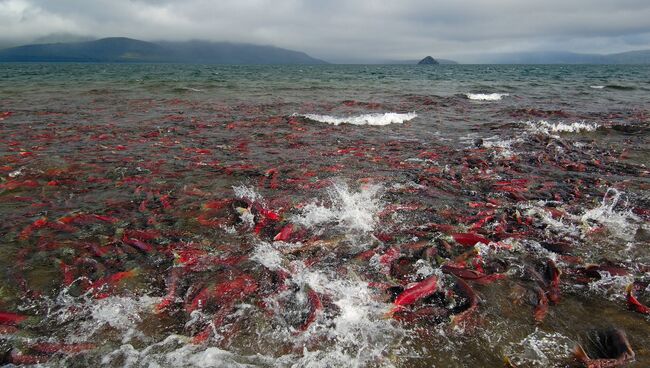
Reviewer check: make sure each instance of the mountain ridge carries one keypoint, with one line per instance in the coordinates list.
(128, 50)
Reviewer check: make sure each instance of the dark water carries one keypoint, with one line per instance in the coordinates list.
(173, 215)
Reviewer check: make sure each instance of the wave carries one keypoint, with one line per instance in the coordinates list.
(543, 126)
(597, 87)
(364, 119)
(620, 87)
(187, 89)
(486, 96)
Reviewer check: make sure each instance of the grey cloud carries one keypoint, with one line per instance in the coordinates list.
(347, 30)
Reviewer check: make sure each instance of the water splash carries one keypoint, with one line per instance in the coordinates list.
(248, 193)
(351, 211)
(91, 317)
(621, 224)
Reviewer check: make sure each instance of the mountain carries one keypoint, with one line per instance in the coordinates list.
(120, 49)
(564, 57)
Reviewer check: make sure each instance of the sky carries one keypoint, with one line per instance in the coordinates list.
(347, 30)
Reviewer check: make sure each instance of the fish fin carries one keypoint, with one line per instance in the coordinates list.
(507, 363)
(628, 288)
(580, 354)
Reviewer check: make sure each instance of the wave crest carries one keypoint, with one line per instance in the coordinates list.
(543, 126)
(486, 96)
(364, 119)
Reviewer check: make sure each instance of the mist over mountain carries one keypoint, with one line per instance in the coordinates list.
(120, 49)
(564, 57)
(55, 48)
(62, 38)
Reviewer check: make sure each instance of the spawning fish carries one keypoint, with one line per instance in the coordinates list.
(414, 293)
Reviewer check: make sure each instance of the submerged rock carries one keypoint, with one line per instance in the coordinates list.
(428, 61)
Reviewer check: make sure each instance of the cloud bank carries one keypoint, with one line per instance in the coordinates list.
(344, 30)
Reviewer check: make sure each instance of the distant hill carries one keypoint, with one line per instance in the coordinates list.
(563, 57)
(120, 50)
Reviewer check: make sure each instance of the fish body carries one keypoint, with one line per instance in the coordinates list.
(315, 305)
(541, 309)
(285, 233)
(469, 239)
(11, 319)
(633, 303)
(468, 293)
(416, 292)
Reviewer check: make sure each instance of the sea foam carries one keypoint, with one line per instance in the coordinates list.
(486, 96)
(364, 119)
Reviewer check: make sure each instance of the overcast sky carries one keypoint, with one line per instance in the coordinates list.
(347, 30)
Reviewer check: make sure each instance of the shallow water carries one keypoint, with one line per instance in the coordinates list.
(173, 215)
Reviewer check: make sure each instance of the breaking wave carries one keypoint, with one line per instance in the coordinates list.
(543, 126)
(620, 87)
(486, 96)
(364, 119)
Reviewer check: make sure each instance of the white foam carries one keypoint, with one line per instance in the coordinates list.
(245, 192)
(540, 349)
(119, 313)
(563, 225)
(267, 255)
(486, 96)
(612, 287)
(597, 87)
(546, 127)
(423, 268)
(352, 211)
(502, 147)
(16, 173)
(364, 119)
(176, 351)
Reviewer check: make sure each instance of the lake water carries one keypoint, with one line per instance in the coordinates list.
(321, 216)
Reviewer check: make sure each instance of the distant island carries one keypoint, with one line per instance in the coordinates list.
(428, 61)
(127, 50)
